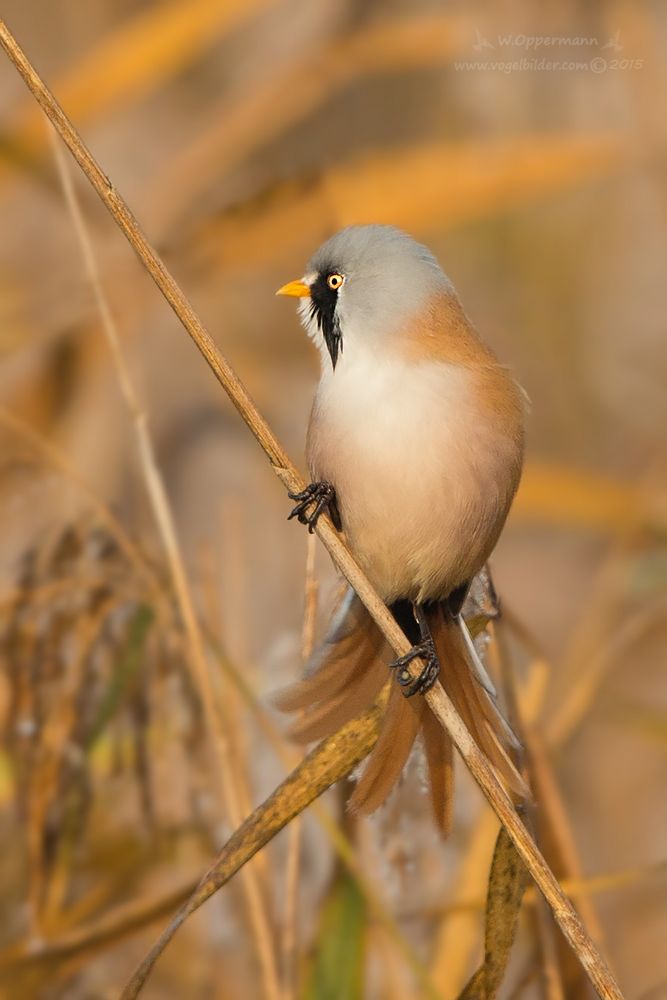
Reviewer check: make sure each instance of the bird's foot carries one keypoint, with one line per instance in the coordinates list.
(313, 501)
(424, 650)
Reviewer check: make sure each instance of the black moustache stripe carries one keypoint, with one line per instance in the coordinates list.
(323, 310)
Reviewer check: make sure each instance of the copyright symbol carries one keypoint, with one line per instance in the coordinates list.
(598, 65)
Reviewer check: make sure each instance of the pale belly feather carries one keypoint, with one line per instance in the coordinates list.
(423, 478)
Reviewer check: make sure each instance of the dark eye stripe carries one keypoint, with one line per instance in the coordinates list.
(323, 309)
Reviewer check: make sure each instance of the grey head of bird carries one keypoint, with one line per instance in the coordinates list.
(364, 284)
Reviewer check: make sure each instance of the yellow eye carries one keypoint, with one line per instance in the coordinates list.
(334, 281)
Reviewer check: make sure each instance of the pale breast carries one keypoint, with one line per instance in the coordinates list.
(423, 470)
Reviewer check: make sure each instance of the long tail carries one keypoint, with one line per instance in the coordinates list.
(342, 678)
(471, 697)
(346, 675)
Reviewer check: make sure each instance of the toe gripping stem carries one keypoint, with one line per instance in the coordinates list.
(424, 650)
(312, 502)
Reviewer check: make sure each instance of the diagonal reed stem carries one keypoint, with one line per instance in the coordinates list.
(164, 520)
(564, 913)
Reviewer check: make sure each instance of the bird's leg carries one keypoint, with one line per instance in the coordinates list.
(424, 650)
(319, 497)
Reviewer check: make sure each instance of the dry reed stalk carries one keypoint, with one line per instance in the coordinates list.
(552, 979)
(550, 973)
(592, 655)
(132, 60)
(482, 178)
(458, 934)
(79, 909)
(556, 821)
(311, 594)
(574, 887)
(612, 644)
(595, 966)
(229, 619)
(539, 751)
(239, 752)
(593, 884)
(330, 761)
(55, 735)
(234, 583)
(50, 592)
(239, 127)
(395, 983)
(289, 942)
(121, 921)
(164, 519)
(519, 991)
(291, 761)
(128, 918)
(290, 917)
(327, 763)
(376, 908)
(583, 666)
(579, 499)
(341, 844)
(51, 455)
(230, 699)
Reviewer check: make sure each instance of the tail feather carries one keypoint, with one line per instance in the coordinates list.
(337, 666)
(335, 674)
(475, 660)
(513, 778)
(439, 752)
(329, 715)
(477, 709)
(345, 676)
(389, 755)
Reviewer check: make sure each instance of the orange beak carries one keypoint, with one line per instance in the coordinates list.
(298, 289)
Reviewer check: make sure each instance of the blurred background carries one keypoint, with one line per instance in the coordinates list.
(525, 144)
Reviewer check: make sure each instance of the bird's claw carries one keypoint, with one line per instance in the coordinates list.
(320, 497)
(425, 650)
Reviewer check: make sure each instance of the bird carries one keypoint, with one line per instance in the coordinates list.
(415, 447)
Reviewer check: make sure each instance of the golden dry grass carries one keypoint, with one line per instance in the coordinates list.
(114, 798)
